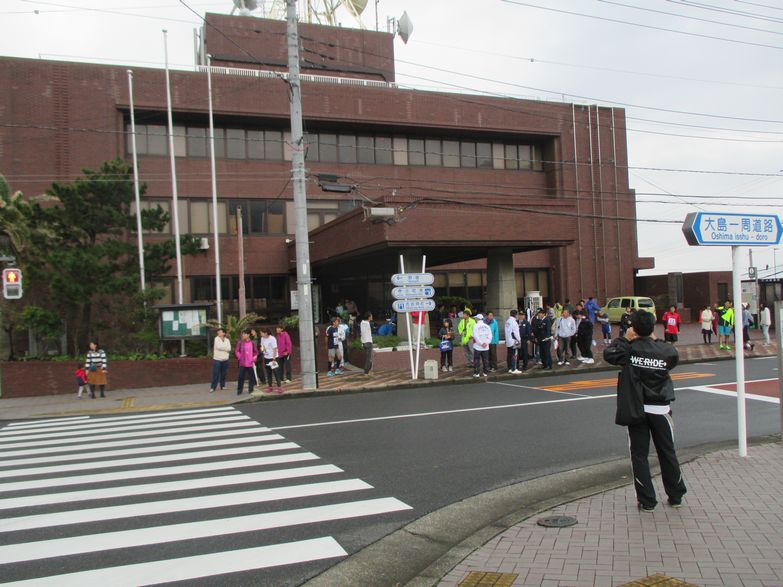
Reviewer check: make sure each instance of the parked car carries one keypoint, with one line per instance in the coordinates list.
(615, 307)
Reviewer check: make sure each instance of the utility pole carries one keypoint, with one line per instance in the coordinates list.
(241, 251)
(303, 279)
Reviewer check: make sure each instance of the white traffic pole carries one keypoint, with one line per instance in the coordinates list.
(739, 349)
(174, 200)
(139, 236)
(408, 323)
(418, 336)
(215, 231)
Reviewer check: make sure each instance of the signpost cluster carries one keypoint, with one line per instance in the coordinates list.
(735, 230)
(413, 292)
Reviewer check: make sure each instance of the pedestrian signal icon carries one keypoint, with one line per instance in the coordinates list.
(12, 284)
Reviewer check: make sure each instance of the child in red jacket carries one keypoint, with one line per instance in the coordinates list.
(81, 380)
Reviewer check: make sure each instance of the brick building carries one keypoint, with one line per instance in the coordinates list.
(503, 196)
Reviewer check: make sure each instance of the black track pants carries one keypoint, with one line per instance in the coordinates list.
(661, 429)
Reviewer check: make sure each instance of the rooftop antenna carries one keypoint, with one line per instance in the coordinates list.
(245, 7)
(403, 26)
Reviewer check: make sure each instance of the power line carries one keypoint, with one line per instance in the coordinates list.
(646, 26)
(728, 24)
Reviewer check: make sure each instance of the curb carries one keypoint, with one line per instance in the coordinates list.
(421, 553)
(461, 380)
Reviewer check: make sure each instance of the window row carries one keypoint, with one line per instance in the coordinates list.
(274, 145)
(258, 216)
(257, 287)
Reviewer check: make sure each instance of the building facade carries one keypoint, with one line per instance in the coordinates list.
(503, 196)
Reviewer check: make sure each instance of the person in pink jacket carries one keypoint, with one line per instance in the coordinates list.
(285, 350)
(247, 353)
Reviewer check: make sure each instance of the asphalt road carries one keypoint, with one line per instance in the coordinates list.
(132, 498)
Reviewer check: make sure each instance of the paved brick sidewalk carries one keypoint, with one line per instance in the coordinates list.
(729, 532)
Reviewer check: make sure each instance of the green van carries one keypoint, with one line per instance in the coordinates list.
(615, 307)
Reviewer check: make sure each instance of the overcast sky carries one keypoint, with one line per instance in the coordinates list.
(727, 78)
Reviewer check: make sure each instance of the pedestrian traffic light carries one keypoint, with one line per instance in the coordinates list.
(12, 284)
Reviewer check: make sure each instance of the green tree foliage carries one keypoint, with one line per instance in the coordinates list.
(83, 252)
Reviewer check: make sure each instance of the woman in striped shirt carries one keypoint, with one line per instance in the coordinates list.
(96, 368)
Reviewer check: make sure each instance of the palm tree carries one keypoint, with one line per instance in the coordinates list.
(13, 219)
(233, 325)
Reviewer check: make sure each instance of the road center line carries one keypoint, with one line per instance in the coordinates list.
(538, 388)
(443, 412)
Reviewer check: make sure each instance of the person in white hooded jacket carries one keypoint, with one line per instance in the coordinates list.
(482, 336)
(513, 342)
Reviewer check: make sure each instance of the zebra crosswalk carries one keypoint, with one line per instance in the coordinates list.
(168, 497)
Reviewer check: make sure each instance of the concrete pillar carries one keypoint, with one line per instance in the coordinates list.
(501, 283)
(412, 259)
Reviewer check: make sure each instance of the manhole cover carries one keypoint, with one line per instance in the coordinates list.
(557, 521)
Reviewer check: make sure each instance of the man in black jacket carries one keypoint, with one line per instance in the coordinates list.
(644, 392)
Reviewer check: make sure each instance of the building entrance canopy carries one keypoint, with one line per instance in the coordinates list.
(352, 244)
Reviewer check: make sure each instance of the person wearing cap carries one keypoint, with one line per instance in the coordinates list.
(644, 394)
(482, 337)
(465, 330)
(543, 335)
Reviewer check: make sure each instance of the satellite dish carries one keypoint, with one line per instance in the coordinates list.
(405, 27)
(245, 6)
(355, 7)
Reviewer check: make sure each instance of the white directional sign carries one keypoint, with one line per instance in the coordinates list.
(403, 306)
(413, 279)
(413, 292)
(721, 228)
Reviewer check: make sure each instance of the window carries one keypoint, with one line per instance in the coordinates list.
(273, 145)
(199, 217)
(327, 143)
(311, 147)
(525, 157)
(182, 216)
(255, 144)
(498, 156)
(347, 148)
(196, 142)
(383, 151)
(432, 153)
(484, 155)
(258, 216)
(178, 133)
(156, 140)
(141, 139)
(220, 143)
(365, 149)
(450, 153)
(235, 143)
(626, 303)
(511, 157)
(400, 150)
(468, 154)
(615, 303)
(538, 164)
(415, 151)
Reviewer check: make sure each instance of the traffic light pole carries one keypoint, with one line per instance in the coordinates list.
(303, 277)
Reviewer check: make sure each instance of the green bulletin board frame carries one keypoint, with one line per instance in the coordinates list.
(183, 321)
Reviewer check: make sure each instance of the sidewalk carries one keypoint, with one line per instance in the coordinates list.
(728, 532)
(352, 381)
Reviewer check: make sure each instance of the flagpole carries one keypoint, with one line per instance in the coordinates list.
(174, 201)
(215, 231)
(139, 236)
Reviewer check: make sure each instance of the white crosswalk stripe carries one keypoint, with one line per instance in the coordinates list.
(72, 487)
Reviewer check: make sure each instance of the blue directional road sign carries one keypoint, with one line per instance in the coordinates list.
(721, 228)
(403, 306)
(413, 292)
(400, 279)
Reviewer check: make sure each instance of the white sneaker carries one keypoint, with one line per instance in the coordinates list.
(476, 375)
(560, 362)
(451, 368)
(589, 361)
(516, 372)
(443, 369)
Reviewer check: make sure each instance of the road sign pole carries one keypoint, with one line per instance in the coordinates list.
(739, 348)
(418, 337)
(779, 336)
(408, 322)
